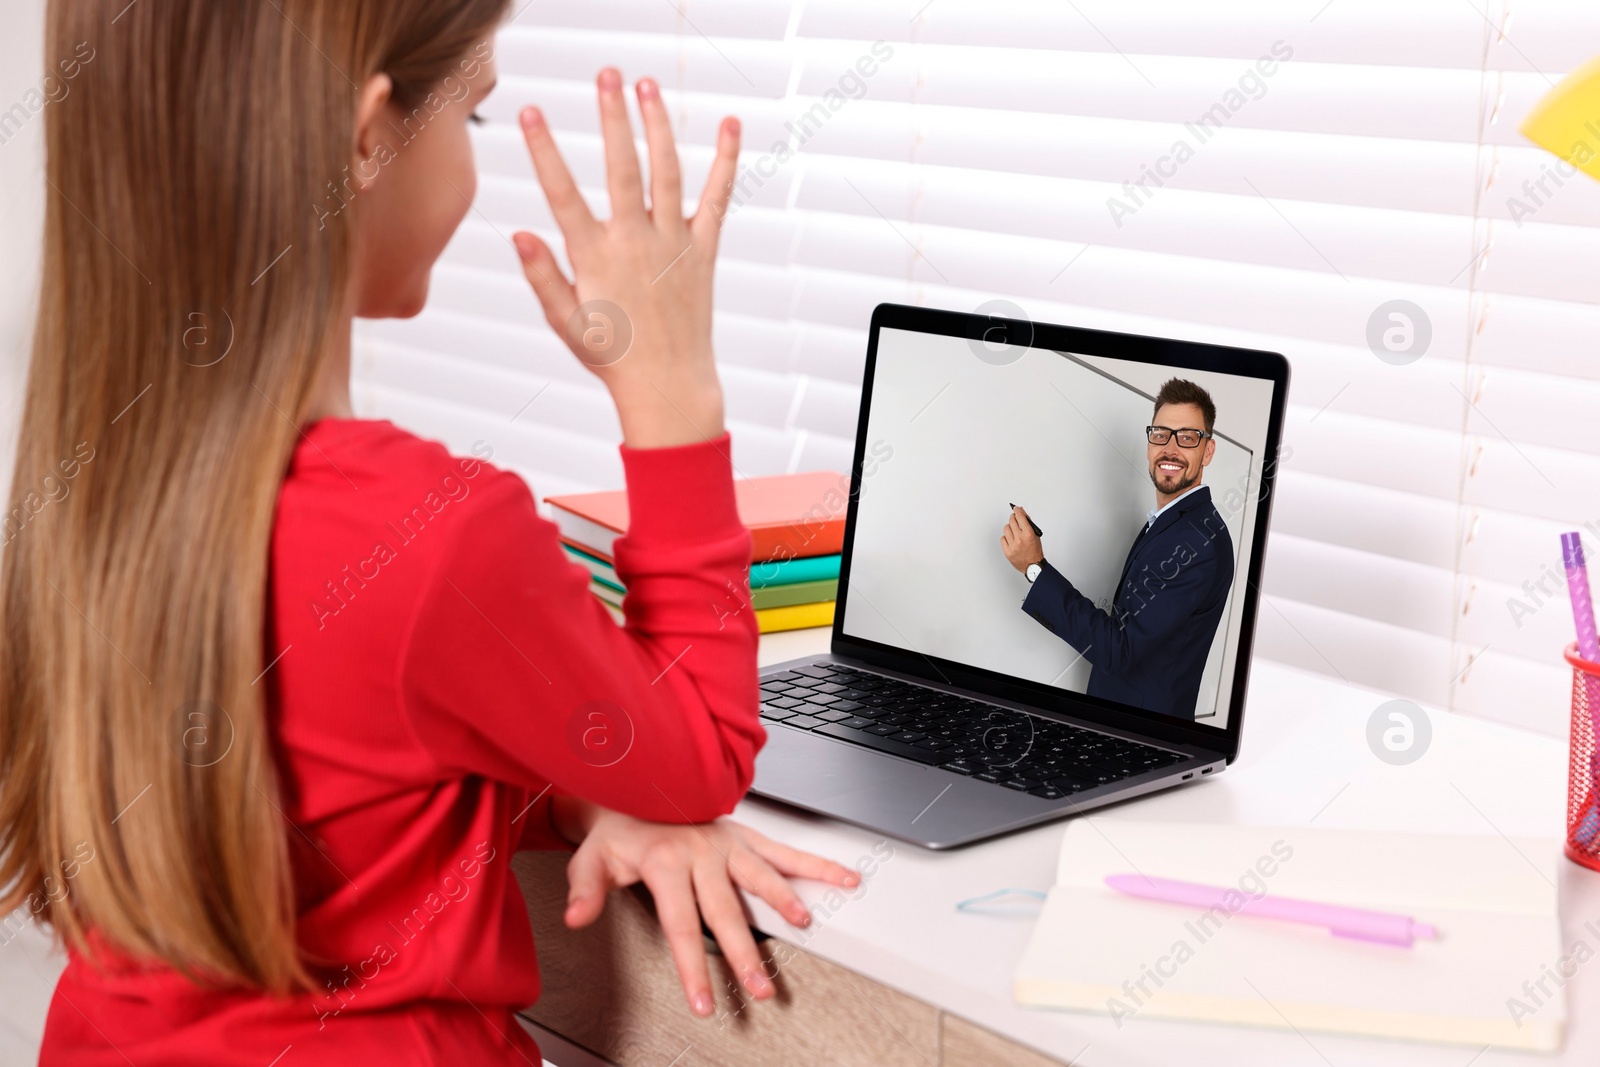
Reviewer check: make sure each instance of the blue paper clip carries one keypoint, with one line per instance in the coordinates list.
(996, 903)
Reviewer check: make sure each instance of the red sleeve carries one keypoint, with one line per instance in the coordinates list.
(512, 669)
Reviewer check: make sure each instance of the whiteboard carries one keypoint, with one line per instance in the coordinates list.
(963, 437)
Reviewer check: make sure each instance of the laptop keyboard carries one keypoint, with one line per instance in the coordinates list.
(1009, 748)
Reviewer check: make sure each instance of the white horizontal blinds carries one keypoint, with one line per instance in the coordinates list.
(1335, 157)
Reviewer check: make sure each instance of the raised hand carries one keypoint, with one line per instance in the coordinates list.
(637, 311)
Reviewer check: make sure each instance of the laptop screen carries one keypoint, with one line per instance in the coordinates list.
(1146, 535)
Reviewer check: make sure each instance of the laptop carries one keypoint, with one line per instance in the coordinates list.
(980, 679)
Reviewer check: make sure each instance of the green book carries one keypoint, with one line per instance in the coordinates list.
(783, 596)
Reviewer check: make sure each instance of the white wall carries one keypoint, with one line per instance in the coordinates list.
(29, 966)
(21, 211)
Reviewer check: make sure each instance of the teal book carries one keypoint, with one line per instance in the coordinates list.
(598, 569)
(788, 571)
(762, 575)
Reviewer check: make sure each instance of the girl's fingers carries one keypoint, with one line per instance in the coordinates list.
(755, 875)
(556, 295)
(673, 891)
(725, 916)
(588, 882)
(622, 162)
(571, 211)
(796, 864)
(666, 180)
(718, 192)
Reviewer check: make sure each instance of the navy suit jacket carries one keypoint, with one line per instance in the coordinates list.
(1150, 649)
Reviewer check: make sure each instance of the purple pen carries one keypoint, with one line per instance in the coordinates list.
(1587, 826)
(1362, 924)
(1578, 587)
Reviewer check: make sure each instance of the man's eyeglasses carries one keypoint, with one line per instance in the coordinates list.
(1160, 435)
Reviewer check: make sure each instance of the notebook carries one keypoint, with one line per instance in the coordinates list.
(788, 515)
(1492, 898)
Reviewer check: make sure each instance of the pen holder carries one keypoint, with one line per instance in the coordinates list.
(1583, 772)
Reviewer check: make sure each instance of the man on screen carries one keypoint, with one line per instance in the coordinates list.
(1150, 649)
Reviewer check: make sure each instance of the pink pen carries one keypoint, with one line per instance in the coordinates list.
(1358, 923)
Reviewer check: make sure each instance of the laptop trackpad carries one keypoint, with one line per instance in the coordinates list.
(868, 788)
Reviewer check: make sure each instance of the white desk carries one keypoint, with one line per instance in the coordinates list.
(1304, 759)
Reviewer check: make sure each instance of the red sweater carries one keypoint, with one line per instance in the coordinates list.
(440, 666)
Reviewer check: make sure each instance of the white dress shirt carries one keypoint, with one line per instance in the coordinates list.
(1155, 513)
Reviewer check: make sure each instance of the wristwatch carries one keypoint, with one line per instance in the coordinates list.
(1034, 570)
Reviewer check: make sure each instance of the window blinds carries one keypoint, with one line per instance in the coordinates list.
(1273, 174)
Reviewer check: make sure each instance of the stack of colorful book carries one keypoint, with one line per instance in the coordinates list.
(796, 521)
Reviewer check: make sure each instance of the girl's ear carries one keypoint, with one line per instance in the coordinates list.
(371, 128)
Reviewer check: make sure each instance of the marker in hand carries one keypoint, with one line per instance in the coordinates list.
(1036, 531)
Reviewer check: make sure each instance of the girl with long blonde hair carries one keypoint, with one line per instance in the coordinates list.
(281, 689)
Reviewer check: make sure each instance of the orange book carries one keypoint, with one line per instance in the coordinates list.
(791, 516)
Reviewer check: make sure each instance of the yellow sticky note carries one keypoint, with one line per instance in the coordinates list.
(1567, 120)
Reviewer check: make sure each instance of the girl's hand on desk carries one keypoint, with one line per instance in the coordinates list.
(691, 871)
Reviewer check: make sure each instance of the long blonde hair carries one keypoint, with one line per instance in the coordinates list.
(192, 285)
